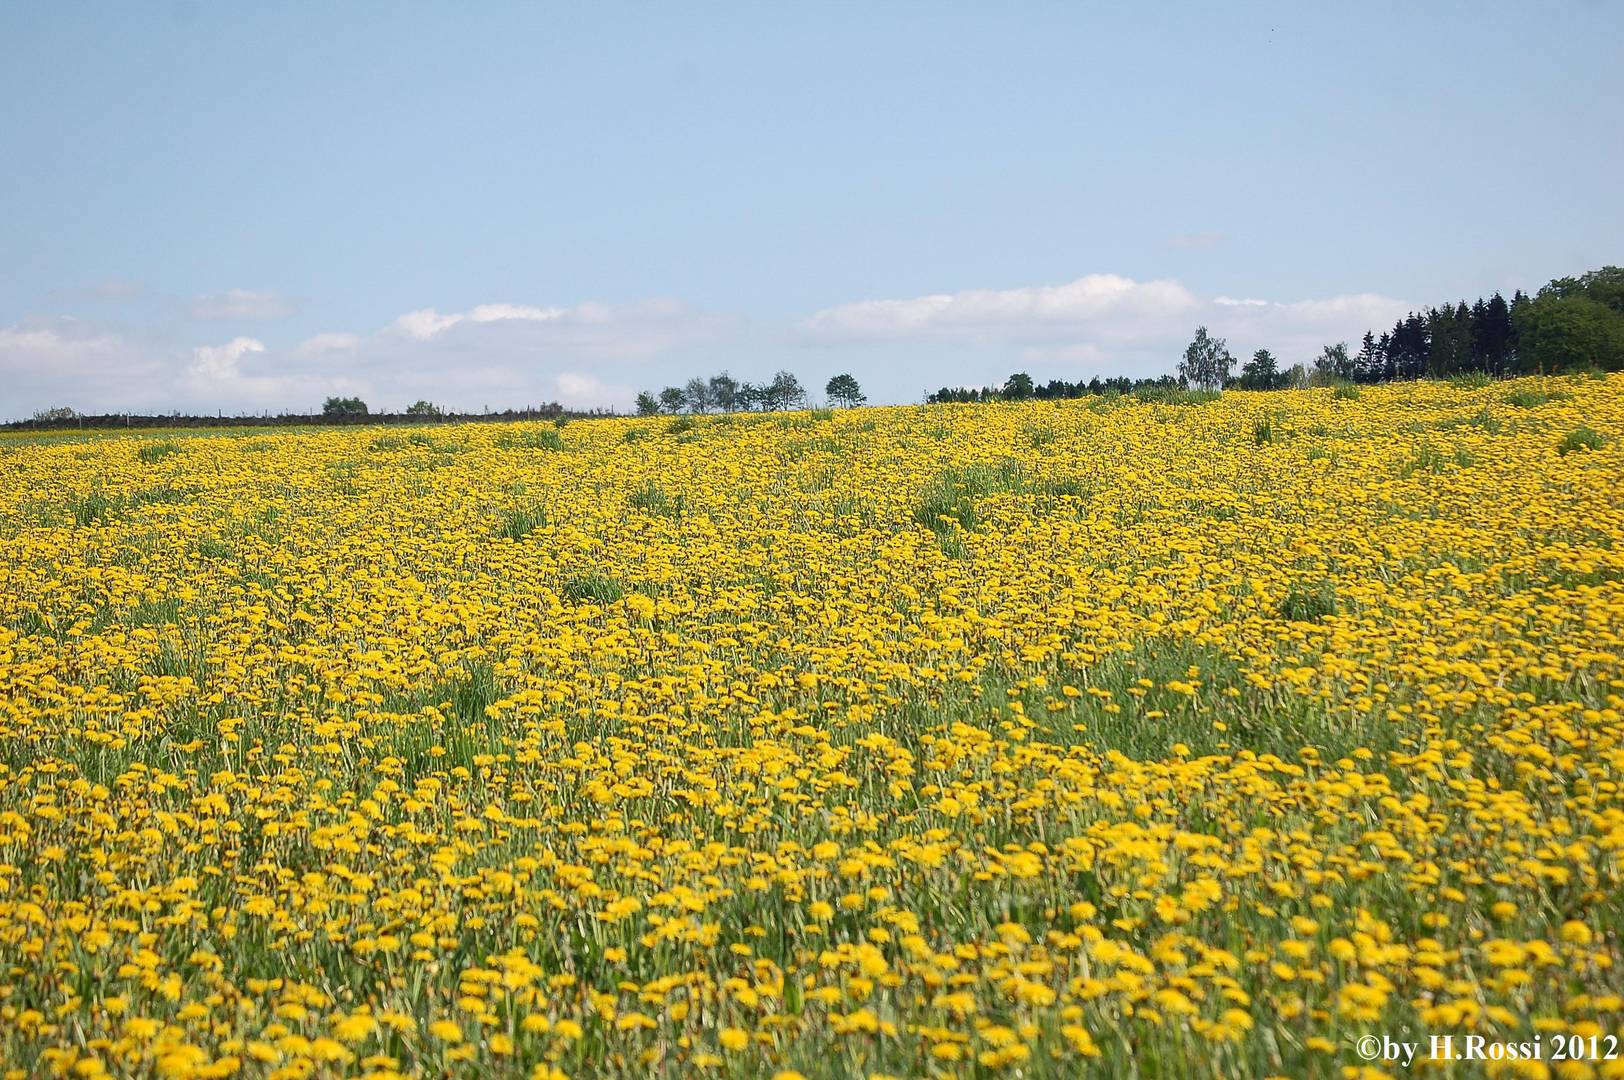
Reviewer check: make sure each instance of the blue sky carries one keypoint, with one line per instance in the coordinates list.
(244, 207)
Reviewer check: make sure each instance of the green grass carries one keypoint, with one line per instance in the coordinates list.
(1303, 603)
(154, 452)
(1155, 395)
(1486, 422)
(593, 589)
(520, 522)
(1429, 459)
(1580, 438)
(1528, 398)
(533, 439)
(650, 498)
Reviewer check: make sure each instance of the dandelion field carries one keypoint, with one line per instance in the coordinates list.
(1103, 737)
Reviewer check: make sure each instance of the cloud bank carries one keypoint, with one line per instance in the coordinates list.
(1102, 322)
(497, 355)
(593, 355)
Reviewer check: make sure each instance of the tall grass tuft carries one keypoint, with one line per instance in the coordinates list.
(593, 589)
(520, 522)
(1581, 438)
(1304, 604)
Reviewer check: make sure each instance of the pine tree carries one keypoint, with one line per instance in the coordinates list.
(1367, 365)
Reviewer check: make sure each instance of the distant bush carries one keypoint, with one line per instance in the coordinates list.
(344, 406)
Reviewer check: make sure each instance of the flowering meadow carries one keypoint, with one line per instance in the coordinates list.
(1165, 737)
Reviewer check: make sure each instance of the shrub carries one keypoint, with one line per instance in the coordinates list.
(1346, 391)
(343, 406)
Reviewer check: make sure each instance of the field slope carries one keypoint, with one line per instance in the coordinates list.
(1107, 736)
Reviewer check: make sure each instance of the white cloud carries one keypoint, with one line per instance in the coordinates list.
(601, 330)
(1101, 322)
(592, 354)
(580, 390)
(425, 323)
(220, 361)
(62, 341)
(241, 304)
(495, 354)
(326, 343)
(990, 316)
(49, 362)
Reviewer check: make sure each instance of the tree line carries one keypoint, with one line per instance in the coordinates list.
(723, 393)
(1572, 324)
